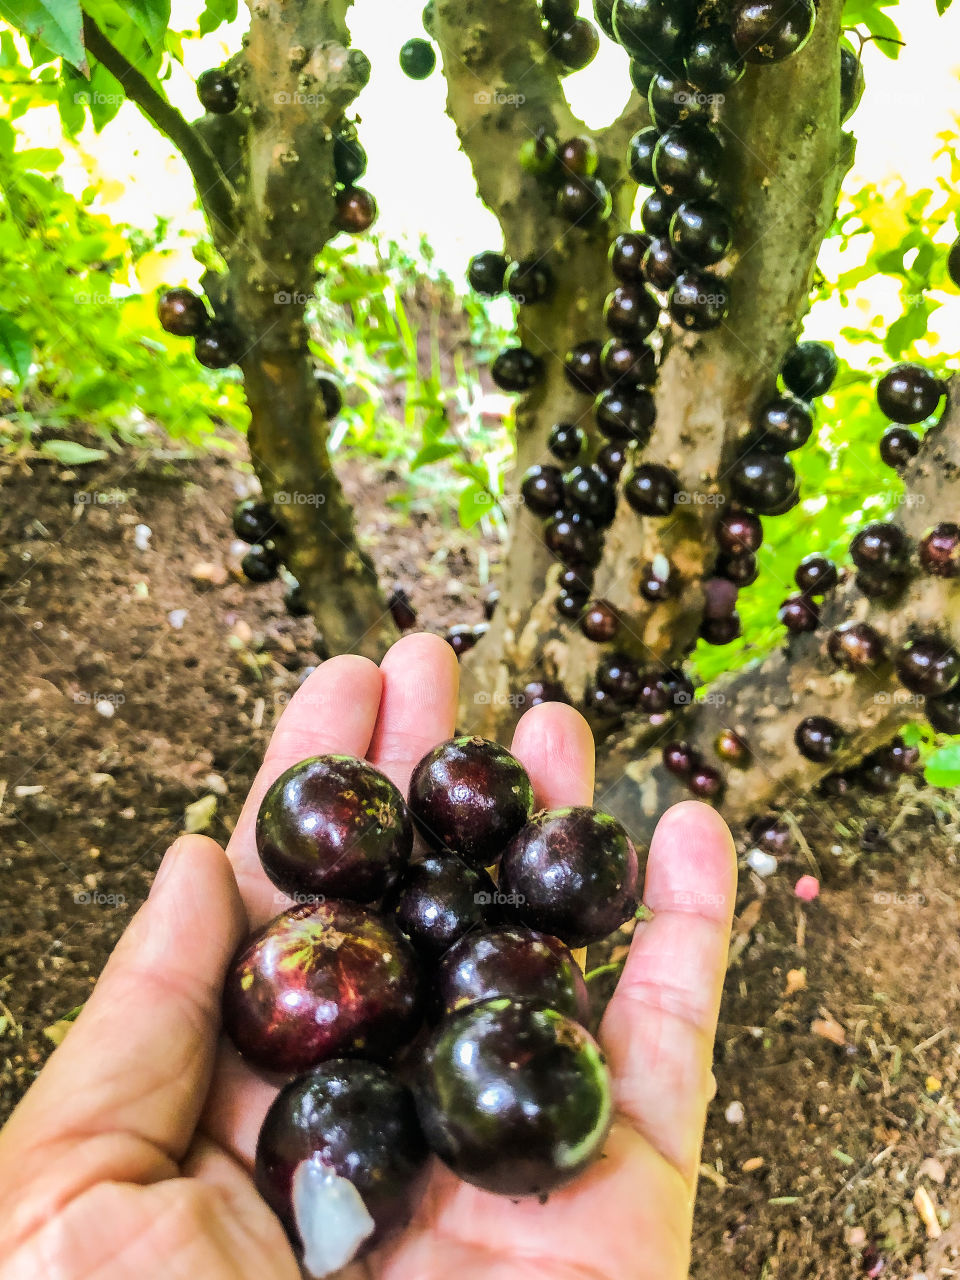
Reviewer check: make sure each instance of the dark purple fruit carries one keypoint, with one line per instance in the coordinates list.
(679, 758)
(631, 311)
(782, 425)
(401, 610)
(470, 796)
(629, 364)
(331, 395)
(583, 201)
(944, 713)
(741, 570)
(640, 155)
(809, 369)
(626, 257)
(706, 782)
(818, 738)
(576, 581)
(652, 29)
(928, 665)
(719, 597)
(652, 489)
(512, 963)
(815, 575)
(218, 91)
(575, 47)
(720, 630)
(612, 458)
(182, 313)
(898, 445)
(542, 489)
(559, 13)
(588, 490)
(939, 550)
(881, 584)
(618, 675)
(856, 646)
(688, 161)
(655, 214)
(339, 1161)
(698, 301)
(417, 58)
(908, 393)
(570, 604)
(626, 414)
(514, 1098)
(528, 281)
(900, 757)
(437, 901)
(799, 614)
(333, 826)
(516, 369)
(880, 546)
(253, 520)
(766, 31)
(461, 638)
(700, 232)
(656, 692)
(574, 874)
(566, 441)
(657, 582)
(660, 265)
(218, 346)
(356, 209)
(671, 99)
(711, 61)
(731, 747)
(573, 539)
(738, 532)
(771, 833)
(851, 83)
(261, 563)
(581, 366)
(349, 157)
(538, 692)
(600, 622)
(765, 482)
(321, 981)
(294, 601)
(486, 272)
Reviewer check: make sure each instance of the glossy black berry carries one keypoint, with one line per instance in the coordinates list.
(657, 581)
(349, 157)
(261, 563)
(799, 614)
(538, 692)
(939, 550)
(818, 738)
(700, 232)
(470, 797)
(651, 490)
(218, 91)
(619, 676)
(626, 257)
(898, 446)
(640, 155)
(573, 540)
(582, 367)
(711, 61)
(809, 370)
(356, 209)
(660, 265)
(720, 631)
(570, 605)
(764, 482)
(631, 311)
(698, 301)
(588, 490)
(559, 13)
(881, 584)
(928, 665)
(566, 441)
(600, 622)
(461, 638)
(254, 521)
(679, 758)
(218, 346)
(782, 425)
(688, 161)
(417, 58)
(944, 713)
(815, 575)
(486, 273)
(655, 28)
(908, 393)
(656, 213)
(575, 46)
(706, 782)
(879, 546)
(603, 14)
(294, 601)
(630, 364)
(739, 531)
(516, 369)
(583, 201)
(741, 570)
(626, 414)
(436, 901)
(182, 313)
(331, 395)
(576, 581)
(401, 609)
(766, 31)
(856, 646)
(542, 489)
(528, 281)
(671, 99)
(611, 459)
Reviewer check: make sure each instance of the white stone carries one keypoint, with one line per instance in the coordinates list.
(764, 864)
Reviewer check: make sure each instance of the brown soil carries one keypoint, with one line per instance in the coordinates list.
(837, 1036)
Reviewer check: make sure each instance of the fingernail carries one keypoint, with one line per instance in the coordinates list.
(166, 866)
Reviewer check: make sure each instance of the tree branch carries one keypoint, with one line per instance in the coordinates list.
(213, 187)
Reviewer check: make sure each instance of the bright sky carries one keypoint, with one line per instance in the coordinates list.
(423, 183)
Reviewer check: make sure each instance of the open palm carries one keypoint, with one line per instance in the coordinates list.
(130, 1156)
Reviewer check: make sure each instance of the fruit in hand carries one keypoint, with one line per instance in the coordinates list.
(417, 58)
(333, 825)
(339, 1161)
(218, 91)
(471, 797)
(182, 313)
(513, 963)
(514, 1098)
(320, 982)
(574, 873)
(438, 900)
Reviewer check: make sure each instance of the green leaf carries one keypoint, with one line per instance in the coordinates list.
(16, 349)
(216, 12)
(70, 453)
(435, 451)
(943, 6)
(475, 503)
(943, 767)
(57, 23)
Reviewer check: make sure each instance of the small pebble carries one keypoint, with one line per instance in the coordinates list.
(176, 618)
(105, 708)
(807, 888)
(764, 864)
(735, 1113)
(141, 537)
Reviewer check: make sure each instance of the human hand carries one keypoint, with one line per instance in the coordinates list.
(130, 1156)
